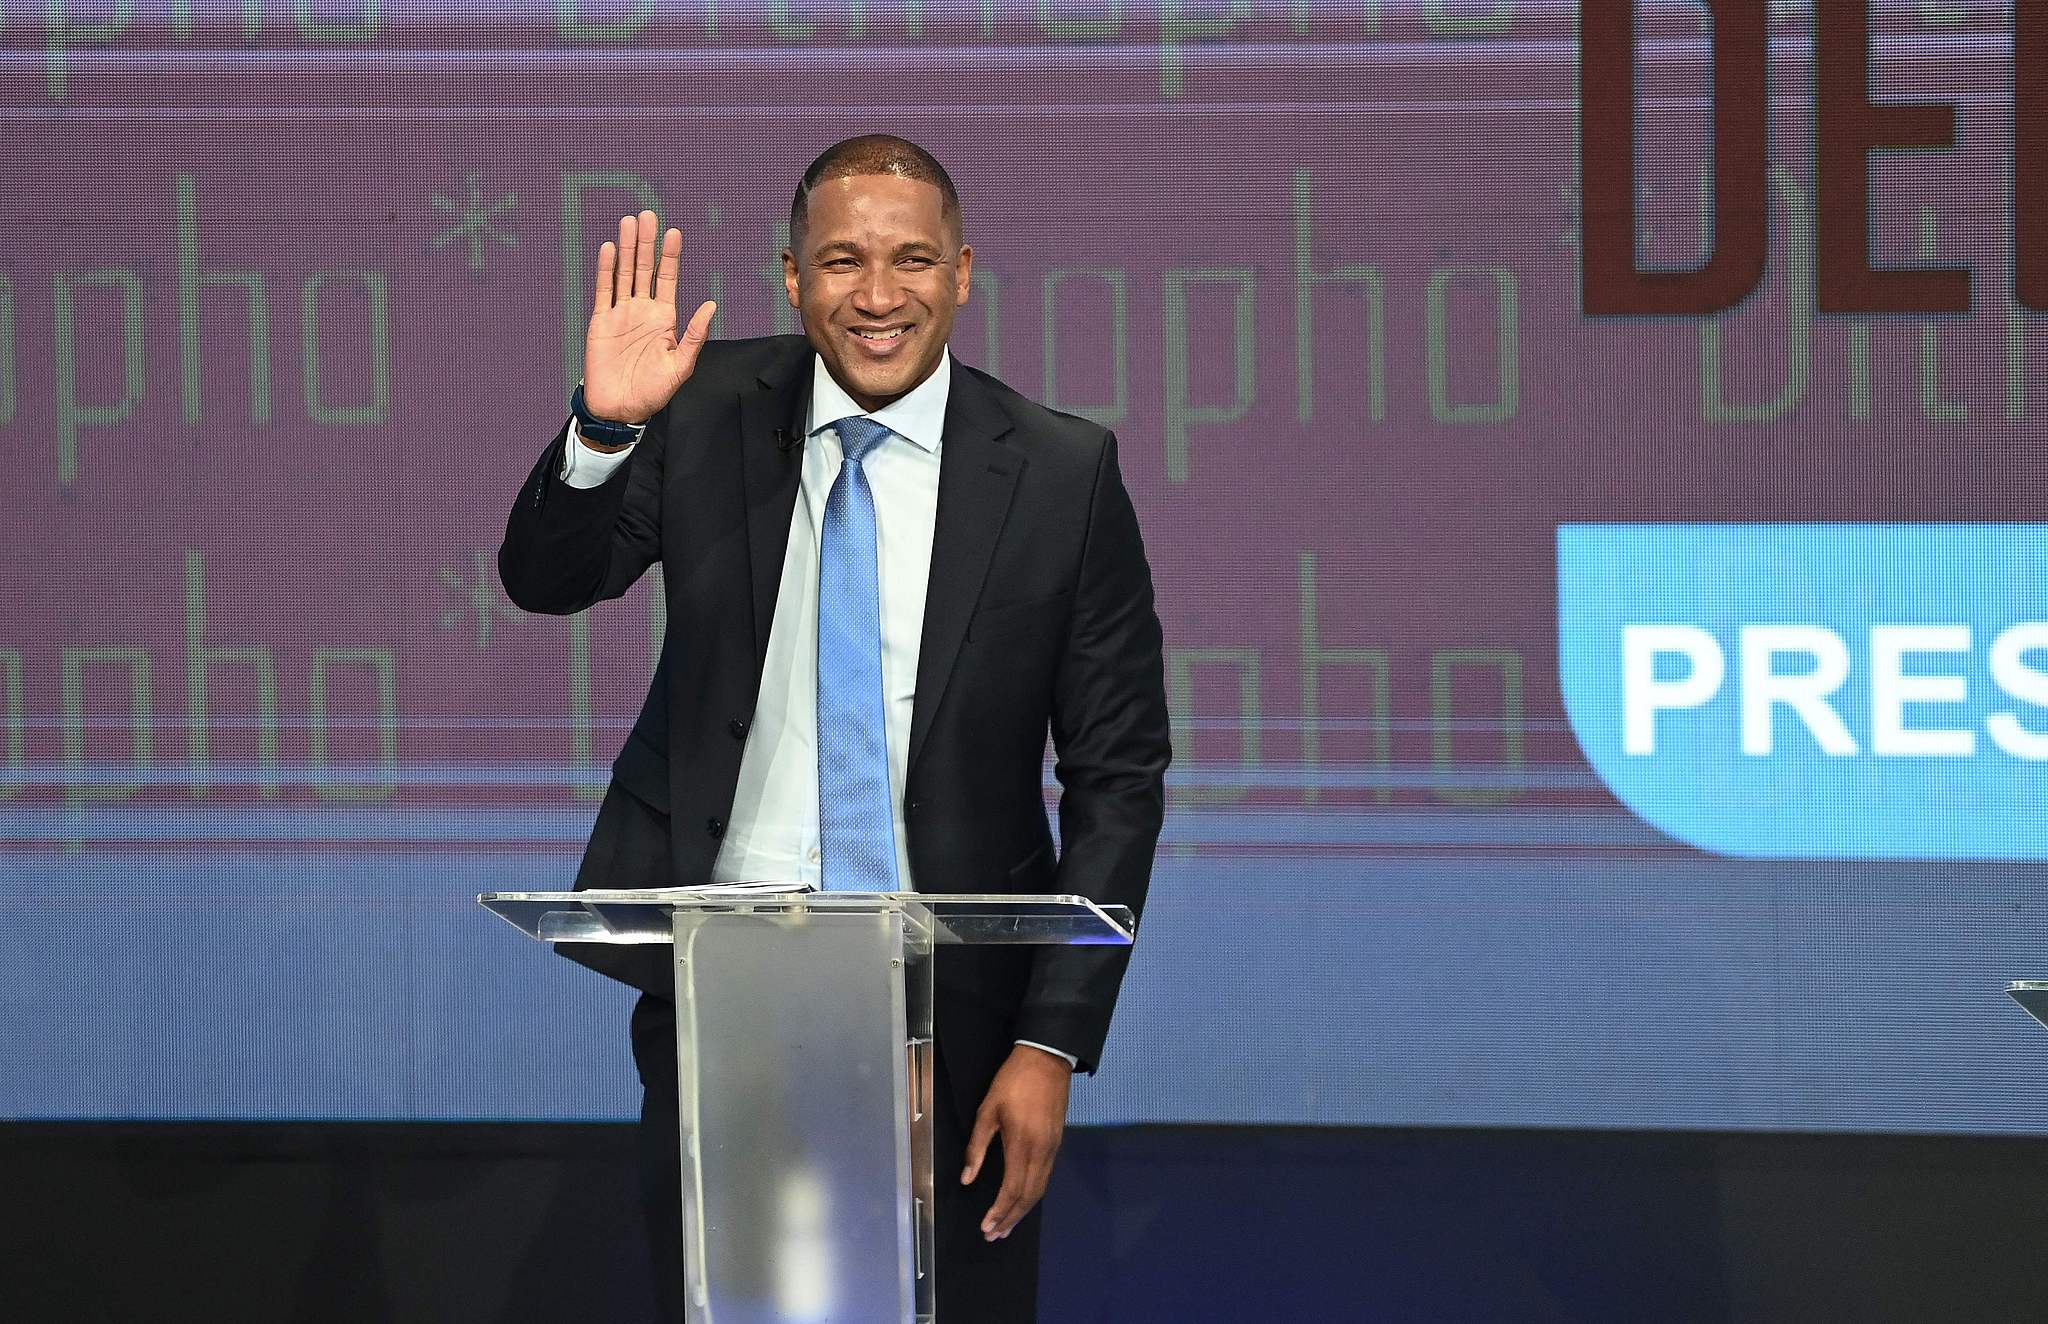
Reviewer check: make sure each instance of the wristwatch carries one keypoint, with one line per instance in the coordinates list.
(601, 431)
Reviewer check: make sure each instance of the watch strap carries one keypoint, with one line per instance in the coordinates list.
(602, 431)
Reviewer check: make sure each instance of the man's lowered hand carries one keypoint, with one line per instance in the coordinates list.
(1027, 1104)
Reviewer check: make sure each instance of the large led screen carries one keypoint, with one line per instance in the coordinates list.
(1583, 716)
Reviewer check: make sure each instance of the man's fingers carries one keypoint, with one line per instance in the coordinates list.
(646, 247)
(671, 266)
(1027, 1170)
(1010, 1202)
(607, 266)
(629, 237)
(629, 270)
(977, 1144)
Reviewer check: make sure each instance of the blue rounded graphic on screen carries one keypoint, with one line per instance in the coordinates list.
(1871, 691)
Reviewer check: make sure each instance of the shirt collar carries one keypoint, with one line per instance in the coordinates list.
(918, 416)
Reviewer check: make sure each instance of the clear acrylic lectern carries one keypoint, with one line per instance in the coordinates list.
(803, 1053)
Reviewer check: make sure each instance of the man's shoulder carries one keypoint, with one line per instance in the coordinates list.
(725, 371)
(725, 368)
(730, 365)
(1040, 428)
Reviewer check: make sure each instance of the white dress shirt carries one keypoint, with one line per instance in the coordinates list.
(772, 831)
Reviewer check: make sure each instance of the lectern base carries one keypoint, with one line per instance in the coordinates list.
(979, 1281)
(803, 1069)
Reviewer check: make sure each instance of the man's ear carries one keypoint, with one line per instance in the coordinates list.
(789, 277)
(965, 275)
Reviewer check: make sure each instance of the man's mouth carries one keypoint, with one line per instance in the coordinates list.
(879, 336)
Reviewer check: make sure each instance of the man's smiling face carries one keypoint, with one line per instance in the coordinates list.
(877, 272)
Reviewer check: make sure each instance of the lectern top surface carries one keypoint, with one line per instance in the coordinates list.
(645, 915)
(2031, 994)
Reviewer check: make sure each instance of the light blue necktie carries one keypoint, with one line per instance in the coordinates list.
(856, 824)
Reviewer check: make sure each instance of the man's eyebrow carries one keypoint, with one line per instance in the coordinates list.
(918, 246)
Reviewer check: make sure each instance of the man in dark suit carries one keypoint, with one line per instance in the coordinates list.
(888, 576)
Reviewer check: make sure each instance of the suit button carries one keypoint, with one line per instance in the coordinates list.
(911, 808)
(715, 826)
(738, 727)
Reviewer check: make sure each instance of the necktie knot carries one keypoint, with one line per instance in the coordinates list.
(858, 436)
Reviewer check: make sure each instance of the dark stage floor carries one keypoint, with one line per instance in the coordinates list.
(532, 1223)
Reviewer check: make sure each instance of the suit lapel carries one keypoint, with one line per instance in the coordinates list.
(976, 479)
(772, 426)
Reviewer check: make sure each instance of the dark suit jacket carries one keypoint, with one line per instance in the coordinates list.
(1038, 616)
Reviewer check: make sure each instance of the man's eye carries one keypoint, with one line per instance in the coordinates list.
(916, 263)
(840, 264)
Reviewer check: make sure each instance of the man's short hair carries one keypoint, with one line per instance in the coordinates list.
(874, 154)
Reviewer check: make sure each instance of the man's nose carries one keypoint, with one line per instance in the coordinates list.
(881, 293)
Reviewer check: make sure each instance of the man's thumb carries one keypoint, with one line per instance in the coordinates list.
(698, 330)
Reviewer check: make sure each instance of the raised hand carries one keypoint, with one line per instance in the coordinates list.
(633, 361)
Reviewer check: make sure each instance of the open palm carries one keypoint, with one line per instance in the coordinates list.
(633, 361)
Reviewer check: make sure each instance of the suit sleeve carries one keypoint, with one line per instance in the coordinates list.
(568, 547)
(1110, 735)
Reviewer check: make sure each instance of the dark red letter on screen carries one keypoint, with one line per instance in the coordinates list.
(2030, 155)
(1607, 132)
(1847, 128)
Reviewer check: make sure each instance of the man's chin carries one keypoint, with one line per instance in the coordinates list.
(862, 381)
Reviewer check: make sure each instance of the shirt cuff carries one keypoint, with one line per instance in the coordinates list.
(1071, 1061)
(584, 467)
